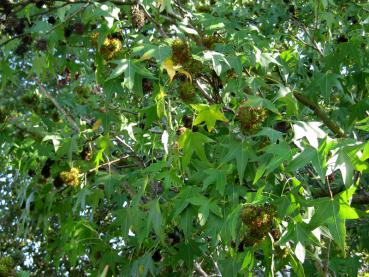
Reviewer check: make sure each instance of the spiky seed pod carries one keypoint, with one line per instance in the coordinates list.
(186, 91)
(276, 234)
(79, 28)
(157, 256)
(187, 121)
(181, 52)
(193, 66)
(27, 39)
(58, 182)
(71, 177)
(259, 221)
(41, 44)
(46, 169)
(249, 241)
(68, 31)
(282, 126)
(86, 153)
(251, 118)
(116, 44)
(110, 47)
(55, 116)
(51, 20)
(7, 7)
(147, 86)
(21, 49)
(29, 99)
(209, 41)
(19, 28)
(138, 17)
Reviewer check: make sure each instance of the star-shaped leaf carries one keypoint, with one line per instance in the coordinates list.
(240, 152)
(192, 142)
(208, 114)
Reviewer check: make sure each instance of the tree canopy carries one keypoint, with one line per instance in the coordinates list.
(184, 138)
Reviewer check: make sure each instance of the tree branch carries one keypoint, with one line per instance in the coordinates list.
(109, 163)
(313, 42)
(320, 113)
(152, 20)
(199, 270)
(60, 109)
(359, 198)
(203, 92)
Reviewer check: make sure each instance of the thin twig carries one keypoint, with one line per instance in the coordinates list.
(52, 29)
(67, 18)
(151, 19)
(108, 163)
(125, 144)
(306, 31)
(329, 187)
(203, 92)
(72, 122)
(199, 270)
(320, 113)
(326, 262)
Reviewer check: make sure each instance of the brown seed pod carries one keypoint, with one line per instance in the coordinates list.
(259, 220)
(21, 49)
(110, 47)
(71, 177)
(209, 41)
(187, 121)
(282, 127)
(46, 169)
(58, 182)
(251, 118)
(186, 91)
(27, 39)
(276, 234)
(41, 45)
(147, 86)
(138, 17)
(180, 52)
(157, 256)
(86, 153)
(79, 28)
(68, 31)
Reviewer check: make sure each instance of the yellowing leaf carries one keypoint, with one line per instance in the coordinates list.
(96, 125)
(169, 67)
(209, 115)
(188, 75)
(147, 55)
(160, 103)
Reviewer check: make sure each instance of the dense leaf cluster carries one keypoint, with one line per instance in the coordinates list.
(180, 138)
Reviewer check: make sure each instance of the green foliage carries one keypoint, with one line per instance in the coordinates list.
(173, 138)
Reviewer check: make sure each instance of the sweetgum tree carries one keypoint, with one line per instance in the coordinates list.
(184, 138)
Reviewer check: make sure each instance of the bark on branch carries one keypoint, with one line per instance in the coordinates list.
(72, 122)
(320, 113)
